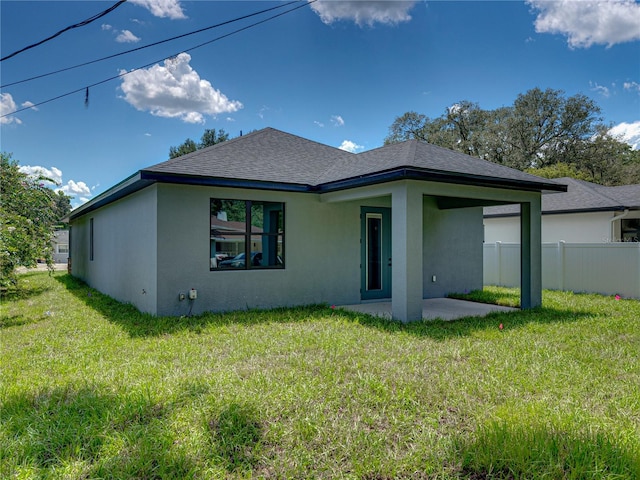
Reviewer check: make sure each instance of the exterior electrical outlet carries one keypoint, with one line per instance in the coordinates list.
(181, 296)
(193, 294)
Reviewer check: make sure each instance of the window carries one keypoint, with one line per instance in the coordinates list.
(63, 248)
(630, 230)
(245, 229)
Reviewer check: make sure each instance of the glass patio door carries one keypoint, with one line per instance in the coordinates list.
(375, 262)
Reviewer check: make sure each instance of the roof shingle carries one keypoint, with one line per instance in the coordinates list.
(580, 196)
(270, 155)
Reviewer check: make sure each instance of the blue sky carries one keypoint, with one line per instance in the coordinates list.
(337, 72)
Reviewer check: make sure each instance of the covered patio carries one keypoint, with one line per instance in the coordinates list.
(432, 309)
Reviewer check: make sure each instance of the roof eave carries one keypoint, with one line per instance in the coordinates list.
(408, 173)
(618, 208)
(129, 185)
(182, 179)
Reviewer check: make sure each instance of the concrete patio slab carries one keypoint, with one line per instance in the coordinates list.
(433, 308)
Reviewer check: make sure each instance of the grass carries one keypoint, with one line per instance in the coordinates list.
(91, 388)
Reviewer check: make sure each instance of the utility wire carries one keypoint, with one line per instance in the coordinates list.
(149, 45)
(123, 74)
(70, 27)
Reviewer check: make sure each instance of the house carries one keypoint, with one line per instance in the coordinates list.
(309, 223)
(585, 213)
(60, 244)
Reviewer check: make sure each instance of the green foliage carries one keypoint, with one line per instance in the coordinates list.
(558, 170)
(543, 131)
(28, 214)
(62, 205)
(187, 146)
(209, 137)
(92, 388)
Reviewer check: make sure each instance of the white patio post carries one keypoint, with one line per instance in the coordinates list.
(530, 254)
(406, 242)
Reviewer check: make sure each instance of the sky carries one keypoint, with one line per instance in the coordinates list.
(336, 72)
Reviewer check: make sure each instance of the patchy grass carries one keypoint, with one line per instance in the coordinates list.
(93, 389)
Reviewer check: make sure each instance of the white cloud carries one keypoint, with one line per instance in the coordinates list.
(175, 90)
(586, 23)
(122, 36)
(628, 132)
(350, 146)
(337, 120)
(364, 12)
(7, 106)
(126, 36)
(163, 8)
(29, 104)
(53, 173)
(319, 124)
(634, 86)
(601, 89)
(73, 189)
(78, 191)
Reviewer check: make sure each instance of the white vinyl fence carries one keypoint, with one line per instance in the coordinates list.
(606, 268)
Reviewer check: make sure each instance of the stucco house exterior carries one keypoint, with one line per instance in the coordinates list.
(272, 219)
(585, 213)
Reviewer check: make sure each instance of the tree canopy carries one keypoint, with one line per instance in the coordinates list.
(209, 137)
(543, 131)
(29, 213)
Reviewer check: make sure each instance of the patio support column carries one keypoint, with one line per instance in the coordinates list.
(406, 241)
(530, 254)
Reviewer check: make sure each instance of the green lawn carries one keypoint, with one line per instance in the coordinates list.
(91, 388)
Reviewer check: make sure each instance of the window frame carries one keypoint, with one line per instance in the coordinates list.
(248, 234)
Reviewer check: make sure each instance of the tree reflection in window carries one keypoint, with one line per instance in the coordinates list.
(245, 229)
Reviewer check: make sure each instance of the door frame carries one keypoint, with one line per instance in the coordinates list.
(384, 250)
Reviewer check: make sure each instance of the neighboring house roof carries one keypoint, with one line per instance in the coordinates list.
(275, 160)
(581, 196)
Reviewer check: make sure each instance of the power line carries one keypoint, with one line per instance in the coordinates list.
(70, 27)
(123, 74)
(149, 45)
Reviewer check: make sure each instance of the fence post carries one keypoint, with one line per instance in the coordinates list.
(561, 246)
(499, 263)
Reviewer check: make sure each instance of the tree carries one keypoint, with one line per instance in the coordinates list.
(187, 146)
(603, 159)
(209, 137)
(410, 126)
(542, 131)
(559, 170)
(61, 205)
(545, 128)
(28, 215)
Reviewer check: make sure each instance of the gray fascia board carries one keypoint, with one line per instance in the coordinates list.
(438, 176)
(561, 212)
(182, 179)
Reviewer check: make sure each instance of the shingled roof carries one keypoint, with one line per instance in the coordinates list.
(266, 155)
(282, 159)
(275, 160)
(580, 196)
